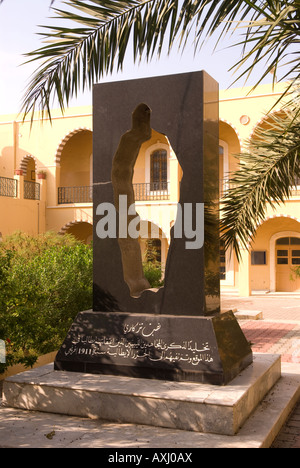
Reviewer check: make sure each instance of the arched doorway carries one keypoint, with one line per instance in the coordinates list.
(266, 253)
(29, 167)
(82, 231)
(287, 254)
(75, 160)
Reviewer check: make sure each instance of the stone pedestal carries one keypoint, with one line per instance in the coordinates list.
(176, 333)
(178, 405)
(180, 348)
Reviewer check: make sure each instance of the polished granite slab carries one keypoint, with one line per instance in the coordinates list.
(185, 108)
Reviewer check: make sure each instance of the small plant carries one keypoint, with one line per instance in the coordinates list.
(41, 174)
(152, 264)
(153, 274)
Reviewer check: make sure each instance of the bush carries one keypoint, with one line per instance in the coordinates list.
(153, 274)
(44, 283)
(152, 265)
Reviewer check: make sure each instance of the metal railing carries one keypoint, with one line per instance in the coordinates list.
(143, 192)
(67, 195)
(31, 190)
(8, 187)
(152, 191)
(225, 185)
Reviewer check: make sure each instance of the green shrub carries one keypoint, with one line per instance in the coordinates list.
(44, 283)
(153, 274)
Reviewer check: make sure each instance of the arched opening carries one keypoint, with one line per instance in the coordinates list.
(267, 122)
(75, 168)
(270, 122)
(31, 188)
(82, 231)
(157, 173)
(29, 169)
(274, 255)
(229, 146)
(140, 173)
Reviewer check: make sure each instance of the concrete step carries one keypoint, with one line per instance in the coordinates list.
(21, 428)
(249, 314)
(176, 405)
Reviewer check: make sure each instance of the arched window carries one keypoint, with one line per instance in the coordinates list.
(158, 170)
(223, 167)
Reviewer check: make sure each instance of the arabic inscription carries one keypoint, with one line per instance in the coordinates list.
(140, 341)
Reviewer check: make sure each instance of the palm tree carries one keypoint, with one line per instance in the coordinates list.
(79, 53)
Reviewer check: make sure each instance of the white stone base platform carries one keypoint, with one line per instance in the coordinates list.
(185, 406)
(249, 314)
(32, 429)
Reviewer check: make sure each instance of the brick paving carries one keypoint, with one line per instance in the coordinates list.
(274, 338)
(277, 333)
(284, 339)
(289, 436)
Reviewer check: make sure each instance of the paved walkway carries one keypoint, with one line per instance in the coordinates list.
(278, 332)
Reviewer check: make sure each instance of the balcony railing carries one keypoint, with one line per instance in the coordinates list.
(8, 187)
(31, 190)
(225, 185)
(152, 191)
(143, 192)
(67, 195)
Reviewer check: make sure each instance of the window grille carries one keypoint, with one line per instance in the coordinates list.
(158, 170)
(8, 187)
(31, 190)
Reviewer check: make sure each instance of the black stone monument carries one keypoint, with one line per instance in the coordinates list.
(177, 332)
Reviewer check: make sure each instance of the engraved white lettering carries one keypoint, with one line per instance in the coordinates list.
(135, 345)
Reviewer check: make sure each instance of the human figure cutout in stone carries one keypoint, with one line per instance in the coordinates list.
(122, 175)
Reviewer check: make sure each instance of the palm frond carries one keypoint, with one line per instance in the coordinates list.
(271, 43)
(52, 1)
(266, 177)
(75, 57)
(97, 40)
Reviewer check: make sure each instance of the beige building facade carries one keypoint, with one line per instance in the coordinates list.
(46, 185)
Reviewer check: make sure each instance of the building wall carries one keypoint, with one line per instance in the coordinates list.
(63, 150)
(25, 215)
(240, 113)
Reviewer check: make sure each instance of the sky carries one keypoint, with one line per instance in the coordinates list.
(19, 20)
